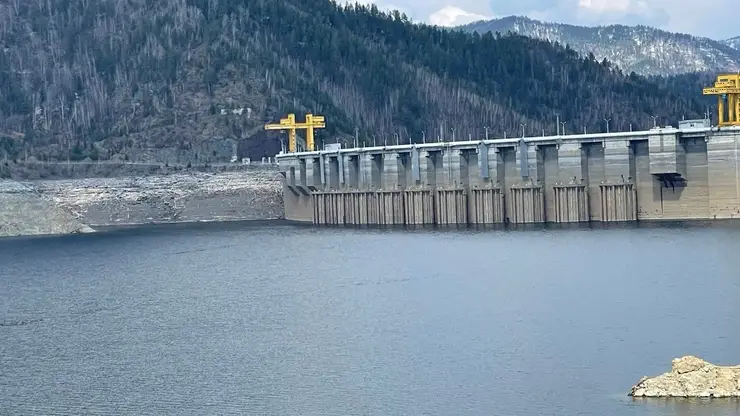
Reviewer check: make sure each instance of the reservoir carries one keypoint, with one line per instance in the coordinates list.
(277, 319)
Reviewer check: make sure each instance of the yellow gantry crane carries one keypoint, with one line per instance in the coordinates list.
(727, 88)
(289, 123)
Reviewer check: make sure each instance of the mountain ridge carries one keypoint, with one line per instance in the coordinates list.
(642, 49)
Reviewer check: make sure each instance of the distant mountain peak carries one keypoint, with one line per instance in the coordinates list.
(642, 49)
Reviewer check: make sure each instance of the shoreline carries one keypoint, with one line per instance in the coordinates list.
(73, 206)
(160, 226)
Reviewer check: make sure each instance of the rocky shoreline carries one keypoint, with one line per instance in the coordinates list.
(691, 377)
(24, 211)
(80, 205)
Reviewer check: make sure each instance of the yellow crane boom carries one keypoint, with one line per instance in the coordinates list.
(727, 90)
(312, 122)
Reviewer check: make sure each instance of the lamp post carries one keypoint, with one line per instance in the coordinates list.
(562, 123)
(522, 125)
(423, 136)
(655, 121)
(607, 124)
(486, 132)
(453, 133)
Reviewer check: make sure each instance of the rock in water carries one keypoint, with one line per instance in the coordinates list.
(691, 377)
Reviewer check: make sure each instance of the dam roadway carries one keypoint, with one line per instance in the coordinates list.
(665, 173)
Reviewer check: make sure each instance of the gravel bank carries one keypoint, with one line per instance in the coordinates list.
(254, 194)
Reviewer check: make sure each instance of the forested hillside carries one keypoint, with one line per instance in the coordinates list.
(733, 42)
(177, 80)
(691, 85)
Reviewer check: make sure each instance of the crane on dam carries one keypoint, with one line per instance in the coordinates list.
(312, 122)
(727, 90)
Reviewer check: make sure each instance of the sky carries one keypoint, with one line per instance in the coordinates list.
(710, 18)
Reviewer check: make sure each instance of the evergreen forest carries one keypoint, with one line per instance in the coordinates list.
(111, 79)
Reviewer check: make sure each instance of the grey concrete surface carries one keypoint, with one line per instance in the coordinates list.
(659, 174)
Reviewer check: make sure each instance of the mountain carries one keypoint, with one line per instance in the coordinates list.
(642, 49)
(733, 42)
(187, 80)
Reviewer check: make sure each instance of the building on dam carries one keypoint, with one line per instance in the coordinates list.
(666, 173)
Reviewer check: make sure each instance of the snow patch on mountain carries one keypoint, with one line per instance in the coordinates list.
(733, 42)
(642, 49)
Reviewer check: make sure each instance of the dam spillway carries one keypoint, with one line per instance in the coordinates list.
(660, 174)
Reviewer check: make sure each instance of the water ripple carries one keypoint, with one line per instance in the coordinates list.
(237, 320)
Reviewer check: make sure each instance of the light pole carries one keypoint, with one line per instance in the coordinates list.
(423, 136)
(453, 133)
(522, 125)
(562, 123)
(374, 141)
(655, 121)
(357, 131)
(486, 132)
(607, 124)
(557, 124)
(396, 136)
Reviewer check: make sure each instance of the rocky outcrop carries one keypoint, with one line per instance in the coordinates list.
(23, 211)
(691, 377)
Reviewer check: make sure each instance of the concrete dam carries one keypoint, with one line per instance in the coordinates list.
(666, 173)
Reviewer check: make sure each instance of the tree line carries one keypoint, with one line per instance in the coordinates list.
(111, 79)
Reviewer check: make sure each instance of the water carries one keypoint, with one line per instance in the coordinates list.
(286, 320)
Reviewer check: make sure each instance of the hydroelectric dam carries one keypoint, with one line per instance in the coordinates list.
(666, 173)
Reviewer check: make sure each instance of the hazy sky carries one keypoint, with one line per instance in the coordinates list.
(711, 18)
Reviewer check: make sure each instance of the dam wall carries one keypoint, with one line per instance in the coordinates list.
(659, 174)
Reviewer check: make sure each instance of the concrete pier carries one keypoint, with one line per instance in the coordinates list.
(660, 174)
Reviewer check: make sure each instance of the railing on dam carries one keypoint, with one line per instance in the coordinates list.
(664, 173)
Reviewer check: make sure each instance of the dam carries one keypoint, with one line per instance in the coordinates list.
(690, 172)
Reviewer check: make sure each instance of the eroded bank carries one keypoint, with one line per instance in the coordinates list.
(81, 205)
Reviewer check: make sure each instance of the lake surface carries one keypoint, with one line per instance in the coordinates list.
(290, 320)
